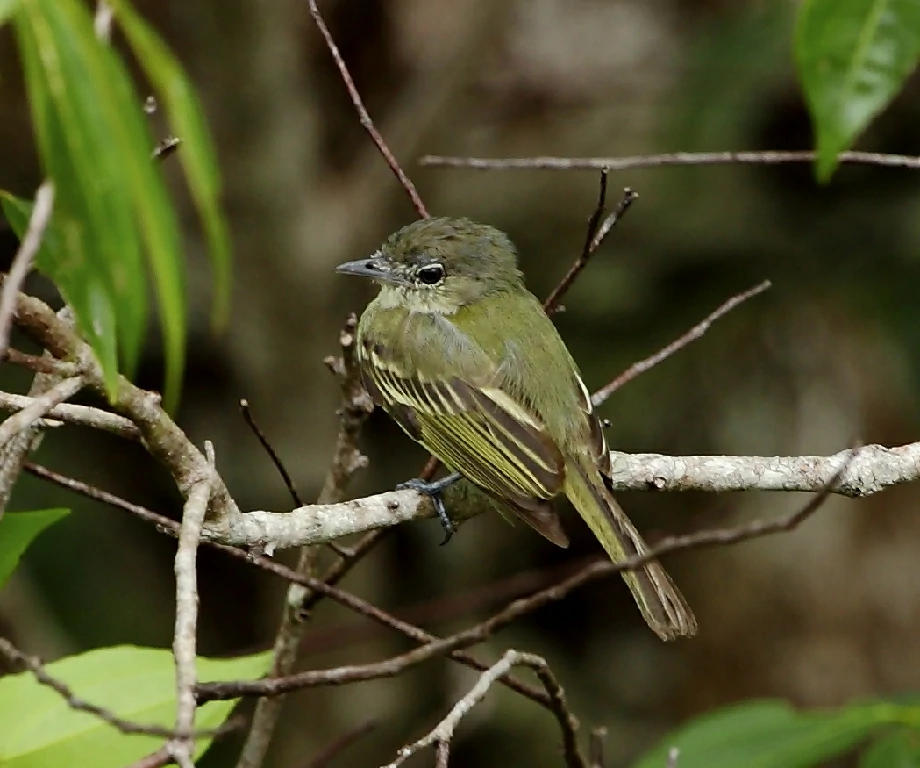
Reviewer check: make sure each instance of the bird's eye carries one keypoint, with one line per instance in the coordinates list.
(430, 274)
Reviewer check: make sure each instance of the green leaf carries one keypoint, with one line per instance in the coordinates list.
(41, 731)
(853, 56)
(767, 734)
(17, 531)
(899, 749)
(197, 155)
(111, 203)
(7, 8)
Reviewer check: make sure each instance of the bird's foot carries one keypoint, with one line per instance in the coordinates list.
(433, 490)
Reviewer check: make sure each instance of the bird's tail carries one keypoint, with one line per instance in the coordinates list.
(658, 598)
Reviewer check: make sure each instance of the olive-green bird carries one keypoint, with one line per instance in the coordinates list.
(463, 357)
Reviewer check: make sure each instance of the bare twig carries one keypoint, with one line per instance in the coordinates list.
(597, 232)
(272, 453)
(154, 760)
(444, 731)
(184, 640)
(665, 352)
(552, 303)
(83, 415)
(41, 363)
(38, 408)
(22, 261)
(343, 742)
(520, 607)
(162, 437)
(170, 526)
(657, 161)
(442, 756)
(14, 453)
(596, 747)
(363, 115)
(873, 469)
(347, 459)
(34, 666)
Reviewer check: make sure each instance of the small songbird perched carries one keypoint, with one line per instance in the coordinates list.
(465, 360)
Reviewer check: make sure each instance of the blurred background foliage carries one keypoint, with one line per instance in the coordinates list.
(821, 616)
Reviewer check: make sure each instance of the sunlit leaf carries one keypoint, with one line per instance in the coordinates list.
(40, 730)
(17, 531)
(853, 57)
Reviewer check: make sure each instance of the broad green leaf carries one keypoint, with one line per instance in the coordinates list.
(111, 203)
(899, 749)
(17, 531)
(197, 155)
(766, 734)
(853, 57)
(41, 731)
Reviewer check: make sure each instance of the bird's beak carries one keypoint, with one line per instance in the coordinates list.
(376, 268)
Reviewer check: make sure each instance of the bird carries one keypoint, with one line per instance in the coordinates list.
(463, 357)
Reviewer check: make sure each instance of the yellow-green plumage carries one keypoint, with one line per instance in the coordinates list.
(463, 357)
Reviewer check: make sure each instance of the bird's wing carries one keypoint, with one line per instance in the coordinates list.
(479, 431)
(468, 421)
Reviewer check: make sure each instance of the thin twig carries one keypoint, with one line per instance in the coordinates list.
(184, 640)
(41, 363)
(39, 408)
(769, 157)
(442, 755)
(272, 453)
(552, 303)
(22, 261)
(343, 742)
(596, 747)
(363, 115)
(37, 669)
(83, 415)
(154, 760)
(597, 232)
(325, 587)
(476, 634)
(444, 731)
(347, 459)
(665, 352)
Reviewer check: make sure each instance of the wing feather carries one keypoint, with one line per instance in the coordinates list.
(480, 432)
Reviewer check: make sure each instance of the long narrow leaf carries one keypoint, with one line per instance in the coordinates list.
(197, 154)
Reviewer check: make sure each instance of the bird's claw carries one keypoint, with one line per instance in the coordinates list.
(433, 491)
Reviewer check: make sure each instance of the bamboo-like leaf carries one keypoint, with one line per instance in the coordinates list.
(853, 57)
(111, 202)
(7, 7)
(197, 155)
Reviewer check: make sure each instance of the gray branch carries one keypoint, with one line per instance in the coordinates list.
(873, 469)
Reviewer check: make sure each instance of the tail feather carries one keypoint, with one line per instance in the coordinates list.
(660, 601)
